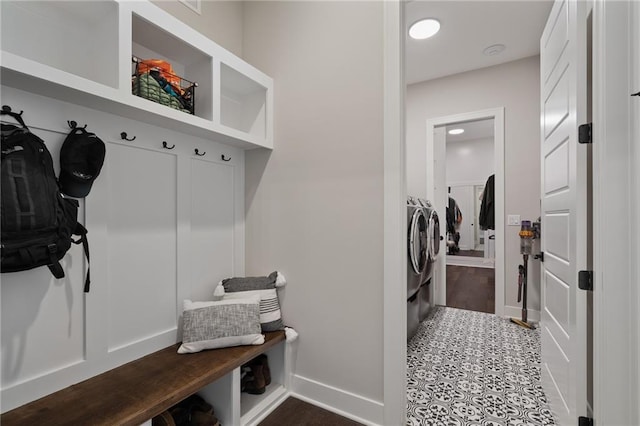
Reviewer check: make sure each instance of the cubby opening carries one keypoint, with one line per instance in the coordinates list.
(242, 102)
(152, 42)
(72, 36)
(250, 404)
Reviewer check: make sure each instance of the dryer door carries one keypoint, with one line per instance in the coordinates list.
(418, 242)
(434, 235)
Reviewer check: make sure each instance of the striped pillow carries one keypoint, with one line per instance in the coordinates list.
(270, 315)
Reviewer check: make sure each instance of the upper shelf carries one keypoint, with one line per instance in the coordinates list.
(85, 59)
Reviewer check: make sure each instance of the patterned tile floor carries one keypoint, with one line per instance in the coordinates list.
(476, 369)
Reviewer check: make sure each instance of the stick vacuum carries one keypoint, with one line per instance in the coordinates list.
(527, 235)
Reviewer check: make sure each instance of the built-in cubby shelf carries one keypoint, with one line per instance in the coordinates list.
(80, 52)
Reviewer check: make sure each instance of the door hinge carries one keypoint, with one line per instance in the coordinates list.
(585, 421)
(585, 280)
(584, 133)
(539, 256)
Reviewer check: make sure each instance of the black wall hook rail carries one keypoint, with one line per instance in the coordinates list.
(224, 158)
(166, 146)
(198, 153)
(123, 135)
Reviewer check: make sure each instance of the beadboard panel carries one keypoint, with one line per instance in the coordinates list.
(144, 214)
(142, 253)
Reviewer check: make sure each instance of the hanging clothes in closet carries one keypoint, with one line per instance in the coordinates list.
(487, 217)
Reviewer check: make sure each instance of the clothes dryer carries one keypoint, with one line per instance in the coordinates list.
(417, 245)
(425, 294)
(417, 257)
(433, 239)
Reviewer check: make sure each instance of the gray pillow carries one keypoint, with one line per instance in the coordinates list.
(220, 324)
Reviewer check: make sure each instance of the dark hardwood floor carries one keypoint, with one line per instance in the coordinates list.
(294, 412)
(471, 288)
(469, 253)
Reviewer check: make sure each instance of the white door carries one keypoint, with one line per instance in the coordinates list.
(563, 187)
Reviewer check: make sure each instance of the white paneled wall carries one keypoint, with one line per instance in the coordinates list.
(164, 225)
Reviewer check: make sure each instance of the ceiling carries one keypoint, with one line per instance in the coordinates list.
(467, 28)
(473, 130)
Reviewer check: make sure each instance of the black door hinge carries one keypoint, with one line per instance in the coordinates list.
(539, 256)
(585, 280)
(584, 133)
(585, 421)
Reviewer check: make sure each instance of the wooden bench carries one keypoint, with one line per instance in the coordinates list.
(137, 391)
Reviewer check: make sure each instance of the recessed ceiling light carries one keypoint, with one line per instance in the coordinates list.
(424, 28)
(495, 49)
(456, 131)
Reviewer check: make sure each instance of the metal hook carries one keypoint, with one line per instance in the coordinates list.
(73, 125)
(123, 135)
(7, 109)
(164, 145)
(225, 159)
(198, 153)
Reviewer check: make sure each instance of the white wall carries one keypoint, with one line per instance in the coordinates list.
(469, 161)
(315, 204)
(219, 20)
(516, 87)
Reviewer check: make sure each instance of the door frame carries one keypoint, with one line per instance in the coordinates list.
(616, 344)
(395, 218)
(497, 114)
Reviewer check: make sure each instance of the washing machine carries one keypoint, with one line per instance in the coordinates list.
(433, 248)
(417, 259)
(433, 238)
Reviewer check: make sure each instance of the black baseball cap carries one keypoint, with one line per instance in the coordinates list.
(81, 158)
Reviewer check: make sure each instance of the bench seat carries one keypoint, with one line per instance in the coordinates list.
(137, 391)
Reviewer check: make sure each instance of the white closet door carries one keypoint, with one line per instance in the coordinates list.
(213, 185)
(142, 252)
(563, 316)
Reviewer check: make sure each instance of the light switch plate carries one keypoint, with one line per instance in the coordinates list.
(513, 220)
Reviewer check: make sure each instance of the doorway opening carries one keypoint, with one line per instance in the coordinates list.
(438, 190)
(470, 237)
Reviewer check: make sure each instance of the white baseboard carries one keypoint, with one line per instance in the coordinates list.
(516, 312)
(344, 403)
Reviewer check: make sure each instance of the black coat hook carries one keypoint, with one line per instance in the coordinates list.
(73, 125)
(633, 94)
(164, 145)
(123, 135)
(6, 109)
(224, 158)
(198, 153)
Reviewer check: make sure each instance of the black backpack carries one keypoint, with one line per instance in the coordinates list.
(37, 221)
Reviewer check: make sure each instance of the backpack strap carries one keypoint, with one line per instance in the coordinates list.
(54, 264)
(82, 231)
